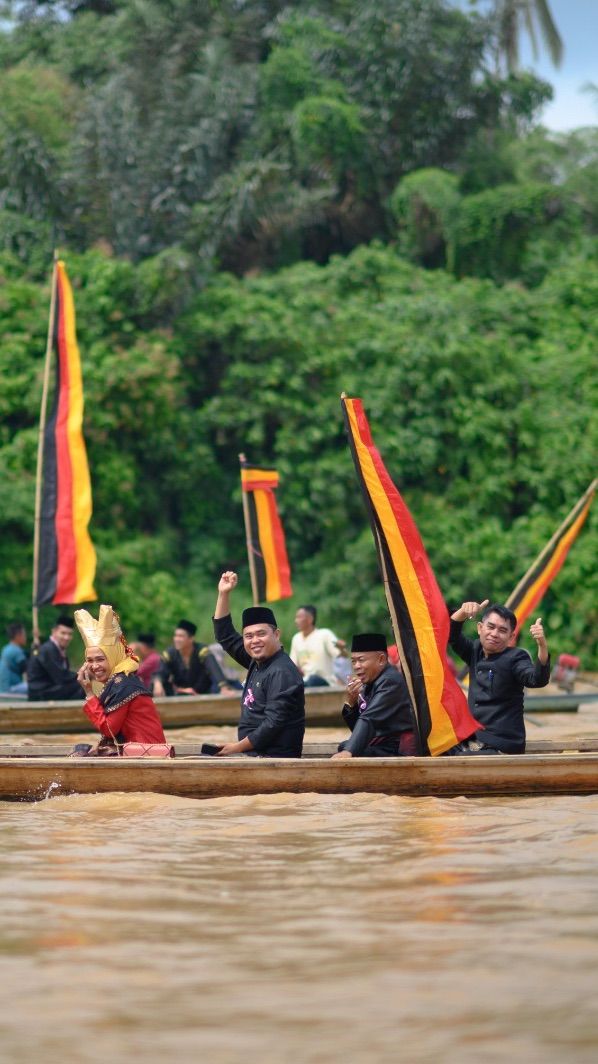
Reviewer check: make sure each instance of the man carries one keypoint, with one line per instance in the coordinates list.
(498, 674)
(273, 701)
(188, 668)
(314, 649)
(378, 708)
(13, 661)
(50, 677)
(149, 659)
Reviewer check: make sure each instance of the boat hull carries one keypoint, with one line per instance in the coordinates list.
(27, 778)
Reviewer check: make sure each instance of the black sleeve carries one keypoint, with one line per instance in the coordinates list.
(363, 733)
(531, 673)
(212, 667)
(230, 640)
(164, 673)
(350, 715)
(460, 643)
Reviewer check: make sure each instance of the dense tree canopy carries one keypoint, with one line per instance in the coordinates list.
(262, 204)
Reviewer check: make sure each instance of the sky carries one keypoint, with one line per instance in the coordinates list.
(577, 23)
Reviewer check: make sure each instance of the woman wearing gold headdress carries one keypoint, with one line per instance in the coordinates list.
(117, 702)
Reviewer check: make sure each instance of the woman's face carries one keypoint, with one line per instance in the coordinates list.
(98, 664)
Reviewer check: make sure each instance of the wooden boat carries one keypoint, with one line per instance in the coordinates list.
(31, 773)
(323, 708)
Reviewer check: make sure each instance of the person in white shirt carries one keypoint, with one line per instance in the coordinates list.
(314, 650)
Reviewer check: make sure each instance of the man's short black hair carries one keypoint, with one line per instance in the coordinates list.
(148, 638)
(311, 610)
(14, 628)
(187, 627)
(63, 620)
(504, 612)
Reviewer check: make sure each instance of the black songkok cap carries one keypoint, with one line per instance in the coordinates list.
(64, 621)
(258, 615)
(188, 626)
(366, 641)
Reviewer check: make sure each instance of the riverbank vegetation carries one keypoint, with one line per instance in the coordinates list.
(261, 205)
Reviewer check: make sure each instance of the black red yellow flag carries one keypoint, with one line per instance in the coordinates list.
(542, 572)
(268, 561)
(66, 559)
(418, 612)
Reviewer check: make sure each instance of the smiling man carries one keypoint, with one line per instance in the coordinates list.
(498, 673)
(273, 701)
(378, 708)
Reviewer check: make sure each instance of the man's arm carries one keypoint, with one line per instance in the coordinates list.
(224, 629)
(162, 676)
(459, 642)
(47, 659)
(536, 674)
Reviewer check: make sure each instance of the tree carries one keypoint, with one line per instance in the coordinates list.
(535, 17)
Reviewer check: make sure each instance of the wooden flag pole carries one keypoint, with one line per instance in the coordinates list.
(252, 572)
(40, 454)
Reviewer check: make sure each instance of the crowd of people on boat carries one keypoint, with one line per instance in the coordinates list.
(120, 681)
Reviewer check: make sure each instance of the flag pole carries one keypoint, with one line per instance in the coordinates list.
(40, 454)
(252, 572)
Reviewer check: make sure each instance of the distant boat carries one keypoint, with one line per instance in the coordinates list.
(30, 773)
(323, 708)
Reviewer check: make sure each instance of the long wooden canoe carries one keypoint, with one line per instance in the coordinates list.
(323, 708)
(550, 770)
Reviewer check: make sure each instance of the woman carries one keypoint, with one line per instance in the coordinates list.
(117, 703)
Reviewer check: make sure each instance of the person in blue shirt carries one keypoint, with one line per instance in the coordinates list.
(13, 661)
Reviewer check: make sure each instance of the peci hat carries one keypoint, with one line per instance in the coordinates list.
(367, 641)
(258, 615)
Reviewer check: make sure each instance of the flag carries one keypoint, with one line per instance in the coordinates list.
(268, 561)
(66, 561)
(540, 575)
(418, 612)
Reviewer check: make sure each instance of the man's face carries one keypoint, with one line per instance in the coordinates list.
(98, 664)
(20, 638)
(494, 633)
(261, 641)
(62, 635)
(304, 621)
(182, 640)
(368, 664)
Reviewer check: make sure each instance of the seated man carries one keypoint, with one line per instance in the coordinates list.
(13, 661)
(378, 708)
(273, 700)
(48, 672)
(498, 674)
(188, 668)
(149, 658)
(314, 649)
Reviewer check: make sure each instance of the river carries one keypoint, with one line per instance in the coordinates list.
(300, 929)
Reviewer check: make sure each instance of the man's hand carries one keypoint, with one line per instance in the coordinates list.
(342, 755)
(158, 691)
(185, 691)
(353, 689)
(227, 583)
(84, 678)
(231, 748)
(228, 691)
(468, 610)
(537, 632)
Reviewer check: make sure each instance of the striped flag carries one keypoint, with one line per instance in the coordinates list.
(66, 561)
(542, 572)
(266, 547)
(418, 612)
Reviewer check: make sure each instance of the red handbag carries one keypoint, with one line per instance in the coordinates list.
(147, 750)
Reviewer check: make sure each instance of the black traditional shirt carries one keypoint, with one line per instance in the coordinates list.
(273, 699)
(382, 715)
(496, 684)
(49, 676)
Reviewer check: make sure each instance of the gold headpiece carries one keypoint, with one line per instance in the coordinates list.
(106, 631)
